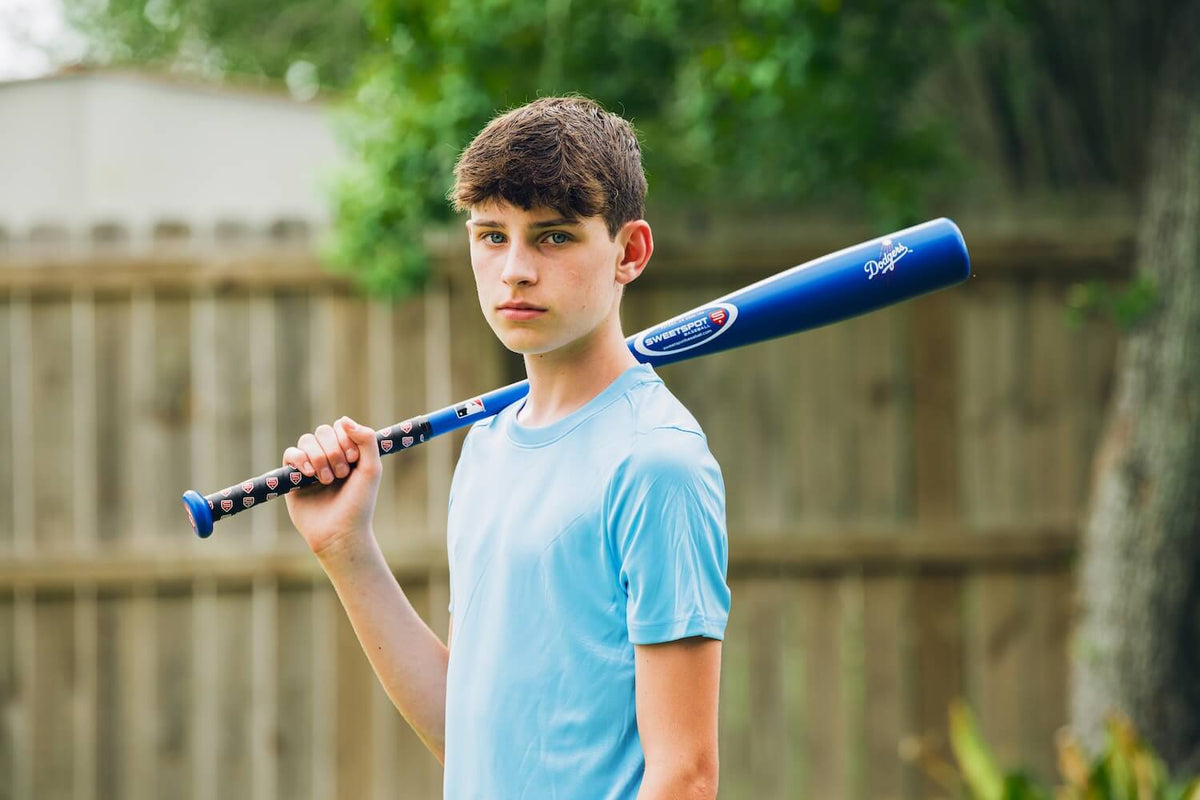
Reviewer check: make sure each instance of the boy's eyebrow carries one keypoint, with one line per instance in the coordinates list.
(548, 223)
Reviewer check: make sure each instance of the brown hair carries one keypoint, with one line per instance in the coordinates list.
(565, 153)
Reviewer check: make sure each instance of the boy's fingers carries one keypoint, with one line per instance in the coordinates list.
(316, 456)
(333, 452)
(342, 429)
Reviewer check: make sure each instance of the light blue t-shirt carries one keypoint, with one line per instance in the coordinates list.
(569, 544)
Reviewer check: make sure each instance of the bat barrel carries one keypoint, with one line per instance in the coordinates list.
(829, 289)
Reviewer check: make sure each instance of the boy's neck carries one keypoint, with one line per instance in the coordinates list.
(562, 382)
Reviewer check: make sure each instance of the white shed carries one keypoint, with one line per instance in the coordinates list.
(118, 154)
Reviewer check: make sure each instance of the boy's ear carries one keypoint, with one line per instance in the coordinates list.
(637, 245)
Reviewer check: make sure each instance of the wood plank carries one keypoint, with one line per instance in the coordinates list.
(882, 410)
(934, 358)
(827, 734)
(325, 606)
(294, 693)
(794, 666)
(1052, 463)
(85, 490)
(21, 400)
(822, 460)
(10, 732)
(939, 662)
(173, 684)
(853, 657)
(170, 415)
(137, 654)
(886, 613)
(762, 601)
(113, 436)
(111, 780)
(234, 696)
(324, 758)
(1002, 644)
(8, 460)
(294, 372)
(406, 478)
(1051, 601)
(264, 590)
(204, 700)
(139, 640)
(734, 719)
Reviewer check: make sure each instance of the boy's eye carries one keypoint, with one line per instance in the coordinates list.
(558, 237)
(499, 238)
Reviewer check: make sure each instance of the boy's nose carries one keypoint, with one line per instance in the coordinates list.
(518, 267)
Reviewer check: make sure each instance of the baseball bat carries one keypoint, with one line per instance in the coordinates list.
(844, 284)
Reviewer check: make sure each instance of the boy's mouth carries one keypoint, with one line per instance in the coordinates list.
(520, 311)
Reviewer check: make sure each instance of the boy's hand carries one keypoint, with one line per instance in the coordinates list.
(340, 513)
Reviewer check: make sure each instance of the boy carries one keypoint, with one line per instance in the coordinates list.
(586, 530)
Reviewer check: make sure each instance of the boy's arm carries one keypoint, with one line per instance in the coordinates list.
(676, 686)
(407, 656)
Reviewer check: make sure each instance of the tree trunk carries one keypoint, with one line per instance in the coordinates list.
(1138, 639)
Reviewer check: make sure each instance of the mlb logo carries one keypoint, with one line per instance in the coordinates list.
(272, 483)
(248, 487)
(407, 441)
(227, 506)
(386, 445)
(470, 407)
(406, 427)
(295, 478)
(247, 501)
(718, 317)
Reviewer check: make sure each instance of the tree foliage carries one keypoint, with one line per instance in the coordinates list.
(746, 104)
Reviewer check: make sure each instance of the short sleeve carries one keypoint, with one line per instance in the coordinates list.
(665, 515)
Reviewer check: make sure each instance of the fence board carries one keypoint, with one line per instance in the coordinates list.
(406, 478)
(170, 416)
(11, 739)
(885, 619)
(762, 602)
(938, 657)
(734, 721)
(8, 460)
(294, 693)
(173, 682)
(84, 489)
(113, 435)
(827, 734)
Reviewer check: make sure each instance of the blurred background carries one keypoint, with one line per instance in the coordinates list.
(223, 222)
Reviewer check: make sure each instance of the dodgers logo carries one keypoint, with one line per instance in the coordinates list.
(272, 483)
(227, 506)
(247, 501)
(248, 487)
(694, 329)
(386, 445)
(295, 478)
(889, 254)
(406, 427)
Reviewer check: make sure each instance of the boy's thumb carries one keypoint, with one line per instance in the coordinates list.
(364, 437)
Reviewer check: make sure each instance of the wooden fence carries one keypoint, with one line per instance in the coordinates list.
(903, 489)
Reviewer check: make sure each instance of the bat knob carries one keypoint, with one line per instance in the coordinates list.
(199, 514)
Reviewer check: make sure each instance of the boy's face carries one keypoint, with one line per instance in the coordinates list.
(545, 282)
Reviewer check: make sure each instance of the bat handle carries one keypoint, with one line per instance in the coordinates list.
(204, 511)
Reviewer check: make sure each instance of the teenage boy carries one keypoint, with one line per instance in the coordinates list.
(586, 530)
